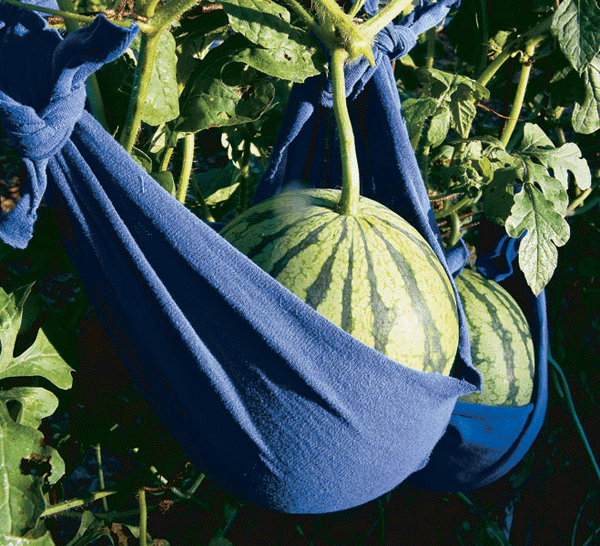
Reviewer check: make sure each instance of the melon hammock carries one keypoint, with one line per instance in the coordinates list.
(275, 403)
(501, 343)
(371, 273)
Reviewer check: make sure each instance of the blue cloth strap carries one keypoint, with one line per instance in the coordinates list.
(274, 402)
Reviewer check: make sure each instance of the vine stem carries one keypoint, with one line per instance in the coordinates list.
(454, 229)
(88, 20)
(349, 199)
(465, 201)
(186, 167)
(521, 90)
(373, 26)
(141, 83)
(143, 516)
(101, 475)
(578, 201)
(571, 407)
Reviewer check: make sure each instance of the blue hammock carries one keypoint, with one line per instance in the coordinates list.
(274, 402)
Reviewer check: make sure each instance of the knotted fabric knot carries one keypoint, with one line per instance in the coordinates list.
(41, 136)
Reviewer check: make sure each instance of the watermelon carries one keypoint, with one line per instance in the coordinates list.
(501, 344)
(371, 273)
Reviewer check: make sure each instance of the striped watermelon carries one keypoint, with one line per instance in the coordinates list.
(371, 274)
(501, 344)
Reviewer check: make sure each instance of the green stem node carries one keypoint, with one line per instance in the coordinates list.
(350, 197)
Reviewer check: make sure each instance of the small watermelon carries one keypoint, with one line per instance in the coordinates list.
(501, 344)
(372, 273)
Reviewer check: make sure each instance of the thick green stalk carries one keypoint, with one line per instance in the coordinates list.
(166, 159)
(494, 66)
(167, 13)
(141, 82)
(355, 41)
(349, 199)
(373, 26)
(328, 39)
(186, 167)
(521, 90)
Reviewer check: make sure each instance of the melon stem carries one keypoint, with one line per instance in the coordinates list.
(349, 199)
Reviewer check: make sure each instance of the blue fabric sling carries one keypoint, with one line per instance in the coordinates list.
(271, 400)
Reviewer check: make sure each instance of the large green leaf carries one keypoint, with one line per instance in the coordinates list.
(575, 24)
(499, 196)
(561, 161)
(545, 230)
(451, 103)
(40, 359)
(223, 92)
(24, 463)
(162, 102)
(294, 65)
(586, 115)
(32, 403)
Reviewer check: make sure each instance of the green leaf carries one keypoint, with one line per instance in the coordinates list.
(218, 185)
(551, 187)
(162, 102)
(438, 127)
(442, 84)
(545, 230)
(416, 111)
(462, 115)
(165, 179)
(40, 359)
(32, 403)
(285, 51)
(586, 115)
(287, 64)
(498, 196)
(24, 460)
(222, 92)
(194, 39)
(44, 540)
(567, 158)
(575, 25)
